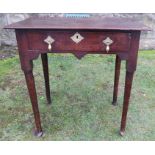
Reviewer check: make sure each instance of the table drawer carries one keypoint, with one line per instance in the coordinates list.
(79, 41)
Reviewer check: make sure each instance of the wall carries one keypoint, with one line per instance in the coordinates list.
(8, 41)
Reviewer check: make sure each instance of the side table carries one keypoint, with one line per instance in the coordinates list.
(80, 36)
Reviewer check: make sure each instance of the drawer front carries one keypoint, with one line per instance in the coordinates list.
(73, 41)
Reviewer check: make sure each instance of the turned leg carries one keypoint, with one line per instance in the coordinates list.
(33, 97)
(46, 76)
(116, 79)
(127, 91)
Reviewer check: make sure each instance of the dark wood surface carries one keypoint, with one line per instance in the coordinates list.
(79, 24)
(46, 76)
(116, 79)
(92, 41)
(31, 33)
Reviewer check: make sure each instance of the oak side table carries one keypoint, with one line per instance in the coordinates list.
(80, 36)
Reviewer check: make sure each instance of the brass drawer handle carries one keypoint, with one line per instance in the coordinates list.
(49, 40)
(107, 42)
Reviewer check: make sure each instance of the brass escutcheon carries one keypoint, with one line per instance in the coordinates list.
(49, 40)
(107, 42)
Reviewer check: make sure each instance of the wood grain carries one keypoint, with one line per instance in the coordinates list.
(96, 23)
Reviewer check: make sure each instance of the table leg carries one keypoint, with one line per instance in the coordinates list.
(127, 92)
(46, 76)
(116, 79)
(33, 97)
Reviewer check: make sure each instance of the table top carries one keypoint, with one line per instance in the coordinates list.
(90, 23)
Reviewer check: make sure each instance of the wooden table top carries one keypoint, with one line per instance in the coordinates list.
(90, 23)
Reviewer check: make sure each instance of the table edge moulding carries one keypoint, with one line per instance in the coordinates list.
(80, 36)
